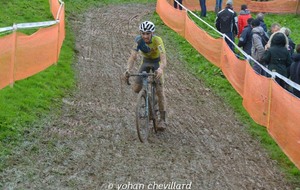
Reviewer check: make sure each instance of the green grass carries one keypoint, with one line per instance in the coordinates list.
(17, 11)
(214, 78)
(32, 99)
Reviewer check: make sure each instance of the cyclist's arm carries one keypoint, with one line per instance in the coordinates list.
(163, 59)
(131, 59)
(163, 56)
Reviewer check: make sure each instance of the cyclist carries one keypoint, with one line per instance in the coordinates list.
(153, 51)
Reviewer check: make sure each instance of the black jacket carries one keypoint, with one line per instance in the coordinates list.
(295, 72)
(291, 45)
(263, 25)
(245, 40)
(226, 21)
(295, 68)
(277, 57)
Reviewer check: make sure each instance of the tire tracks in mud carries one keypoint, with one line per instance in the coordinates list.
(93, 143)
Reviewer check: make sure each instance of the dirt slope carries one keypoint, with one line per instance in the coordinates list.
(93, 143)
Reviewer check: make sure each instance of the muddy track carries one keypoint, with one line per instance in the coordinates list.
(93, 143)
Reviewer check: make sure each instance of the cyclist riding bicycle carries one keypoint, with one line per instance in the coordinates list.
(154, 58)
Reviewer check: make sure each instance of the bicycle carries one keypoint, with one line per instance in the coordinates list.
(146, 110)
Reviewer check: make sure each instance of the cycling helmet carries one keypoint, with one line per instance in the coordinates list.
(147, 26)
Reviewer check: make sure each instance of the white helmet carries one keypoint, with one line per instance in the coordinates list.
(147, 26)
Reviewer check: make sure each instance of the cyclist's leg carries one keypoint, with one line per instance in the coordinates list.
(162, 124)
(161, 98)
(160, 92)
(160, 89)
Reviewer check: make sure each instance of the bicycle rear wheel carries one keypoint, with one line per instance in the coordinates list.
(142, 117)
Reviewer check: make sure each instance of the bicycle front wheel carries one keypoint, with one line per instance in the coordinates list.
(142, 117)
(154, 108)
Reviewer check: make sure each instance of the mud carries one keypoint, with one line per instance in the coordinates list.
(93, 143)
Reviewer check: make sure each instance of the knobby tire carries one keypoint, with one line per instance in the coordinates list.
(154, 109)
(142, 119)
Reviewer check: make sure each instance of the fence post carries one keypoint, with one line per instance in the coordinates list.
(270, 101)
(58, 32)
(57, 47)
(13, 56)
(298, 8)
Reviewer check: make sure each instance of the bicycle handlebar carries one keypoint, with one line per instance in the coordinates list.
(143, 74)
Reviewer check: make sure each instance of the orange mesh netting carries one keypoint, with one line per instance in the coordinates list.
(256, 96)
(274, 6)
(284, 121)
(266, 102)
(233, 68)
(6, 52)
(36, 52)
(201, 41)
(23, 55)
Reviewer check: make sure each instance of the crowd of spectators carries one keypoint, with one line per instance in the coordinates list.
(274, 49)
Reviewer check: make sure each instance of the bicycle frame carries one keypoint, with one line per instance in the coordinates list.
(145, 77)
(144, 94)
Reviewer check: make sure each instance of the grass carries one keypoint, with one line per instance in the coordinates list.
(214, 78)
(32, 99)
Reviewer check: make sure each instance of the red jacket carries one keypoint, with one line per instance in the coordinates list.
(242, 20)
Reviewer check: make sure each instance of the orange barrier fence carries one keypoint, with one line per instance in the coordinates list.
(266, 102)
(274, 6)
(23, 55)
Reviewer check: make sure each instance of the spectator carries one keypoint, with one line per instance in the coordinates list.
(218, 7)
(257, 49)
(203, 7)
(175, 4)
(291, 45)
(260, 17)
(295, 69)
(242, 18)
(268, 45)
(226, 23)
(275, 27)
(245, 40)
(277, 57)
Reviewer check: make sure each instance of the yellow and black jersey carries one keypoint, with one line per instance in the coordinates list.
(152, 50)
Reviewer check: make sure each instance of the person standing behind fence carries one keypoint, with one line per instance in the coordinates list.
(176, 4)
(203, 8)
(275, 27)
(295, 69)
(260, 17)
(258, 48)
(242, 18)
(245, 40)
(226, 23)
(218, 6)
(277, 57)
(291, 45)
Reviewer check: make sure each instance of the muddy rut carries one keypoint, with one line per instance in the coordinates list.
(93, 143)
